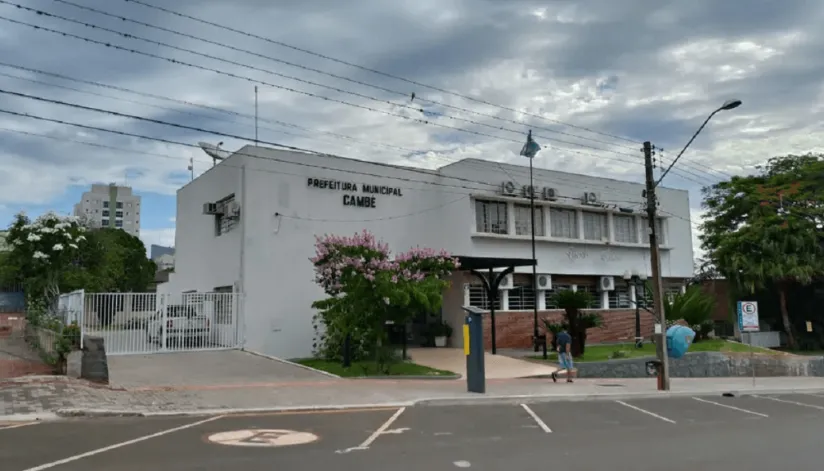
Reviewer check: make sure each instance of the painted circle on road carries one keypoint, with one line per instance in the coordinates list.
(263, 438)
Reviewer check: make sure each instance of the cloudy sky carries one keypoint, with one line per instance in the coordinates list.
(594, 77)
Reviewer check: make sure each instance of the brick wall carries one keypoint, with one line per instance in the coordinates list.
(513, 329)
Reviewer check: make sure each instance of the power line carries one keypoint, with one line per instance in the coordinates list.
(289, 77)
(374, 71)
(189, 103)
(329, 74)
(229, 74)
(473, 190)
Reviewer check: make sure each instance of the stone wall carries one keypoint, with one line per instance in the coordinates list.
(709, 364)
(513, 329)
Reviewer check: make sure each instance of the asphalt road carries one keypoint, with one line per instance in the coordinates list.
(703, 433)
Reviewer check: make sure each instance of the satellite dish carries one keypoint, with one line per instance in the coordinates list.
(213, 151)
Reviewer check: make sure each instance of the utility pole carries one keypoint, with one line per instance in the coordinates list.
(657, 281)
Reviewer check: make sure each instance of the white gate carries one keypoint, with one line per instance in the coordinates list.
(140, 323)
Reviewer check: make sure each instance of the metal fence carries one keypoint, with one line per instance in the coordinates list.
(140, 323)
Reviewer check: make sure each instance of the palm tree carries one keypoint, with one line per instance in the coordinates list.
(572, 302)
(694, 306)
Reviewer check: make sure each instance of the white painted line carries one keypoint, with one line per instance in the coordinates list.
(9, 427)
(791, 402)
(119, 445)
(537, 419)
(731, 407)
(644, 411)
(380, 431)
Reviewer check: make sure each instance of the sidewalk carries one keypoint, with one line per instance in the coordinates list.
(49, 396)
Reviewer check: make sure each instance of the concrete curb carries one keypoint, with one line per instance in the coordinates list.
(401, 378)
(436, 401)
(291, 363)
(29, 417)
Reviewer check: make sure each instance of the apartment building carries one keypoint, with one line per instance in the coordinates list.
(110, 206)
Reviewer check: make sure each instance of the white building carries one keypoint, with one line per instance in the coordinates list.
(110, 206)
(590, 233)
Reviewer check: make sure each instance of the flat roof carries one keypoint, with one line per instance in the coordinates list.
(485, 263)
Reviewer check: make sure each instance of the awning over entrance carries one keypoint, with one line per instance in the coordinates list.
(483, 268)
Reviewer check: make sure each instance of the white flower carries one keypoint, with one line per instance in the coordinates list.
(80, 238)
(57, 247)
(33, 237)
(40, 255)
(74, 246)
(386, 301)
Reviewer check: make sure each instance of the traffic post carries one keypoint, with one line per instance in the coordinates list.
(473, 340)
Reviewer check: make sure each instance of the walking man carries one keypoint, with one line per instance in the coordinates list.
(564, 342)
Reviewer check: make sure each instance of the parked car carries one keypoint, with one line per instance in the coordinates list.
(181, 324)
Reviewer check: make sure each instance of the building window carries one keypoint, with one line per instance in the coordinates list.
(491, 217)
(225, 223)
(479, 299)
(564, 223)
(670, 291)
(523, 223)
(105, 204)
(595, 303)
(626, 228)
(619, 298)
(522, 297)
(118, 223)
(105, 223)
(659, 229)
(105, 213)
(549, 295)
(643, 296)
(118, 214)
(119, 205)
(595, 225)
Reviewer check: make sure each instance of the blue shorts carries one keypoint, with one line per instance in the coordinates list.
(565, 359)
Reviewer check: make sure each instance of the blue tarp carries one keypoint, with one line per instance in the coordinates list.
(679, 339)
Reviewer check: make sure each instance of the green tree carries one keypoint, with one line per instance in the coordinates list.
(694, 306)
(573, 302)
(764, 231)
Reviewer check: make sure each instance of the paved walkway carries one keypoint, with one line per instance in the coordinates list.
(49, 395)
(497, 366)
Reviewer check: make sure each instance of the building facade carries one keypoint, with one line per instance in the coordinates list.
(110, 206)
(249, 224)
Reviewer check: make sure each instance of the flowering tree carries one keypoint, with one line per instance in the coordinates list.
(44, 249)
(367, 288)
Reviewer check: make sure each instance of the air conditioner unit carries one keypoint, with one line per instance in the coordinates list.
(543, 282)
(211, 208)
(509, 189)
(590, 198)
(233, 209)
(606, 283)
(527, 190)
(550, 194)
(506, 283)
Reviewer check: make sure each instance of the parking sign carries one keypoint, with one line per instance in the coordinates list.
(748, 316)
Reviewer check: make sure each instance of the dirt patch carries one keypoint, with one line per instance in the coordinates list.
(16, 357)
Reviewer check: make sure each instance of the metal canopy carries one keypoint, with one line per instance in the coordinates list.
(491, 280)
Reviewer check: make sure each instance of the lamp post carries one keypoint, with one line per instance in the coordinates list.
(637, 282)
(529, 151)
(655, 256)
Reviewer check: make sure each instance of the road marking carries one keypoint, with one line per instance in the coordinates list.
(263, 438)
(120, 445)
(537, 419)
(462, 464)
(731, 407)
(791, 402)
(9, 426)
(381, 430)
(644, 411)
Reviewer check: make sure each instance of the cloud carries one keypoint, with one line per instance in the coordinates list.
(643, 69)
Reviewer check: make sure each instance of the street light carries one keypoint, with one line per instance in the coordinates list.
(529, 151)
(638, 282)
(655, 256)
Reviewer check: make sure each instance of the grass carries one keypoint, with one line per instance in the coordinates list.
(361, 369)
(628, 350)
